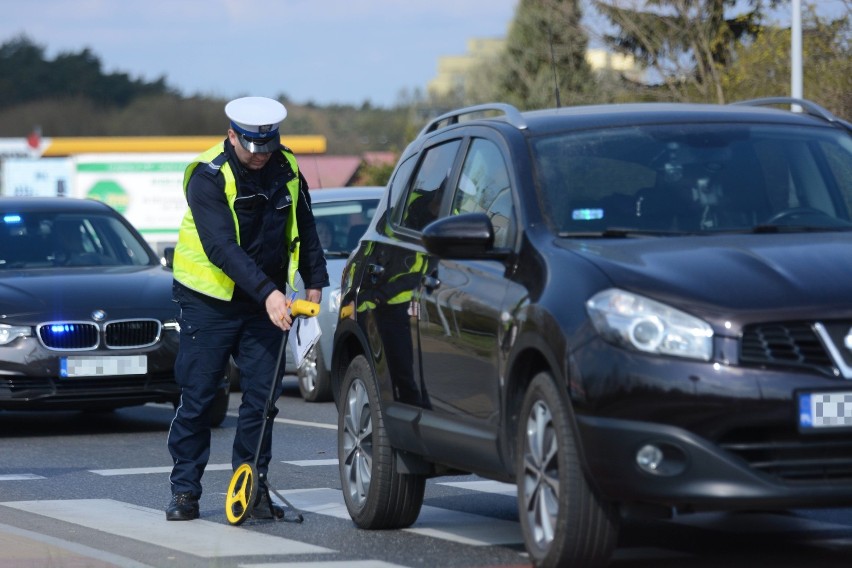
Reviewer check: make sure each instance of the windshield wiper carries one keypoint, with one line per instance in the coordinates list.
(619, 233)
(795, 229)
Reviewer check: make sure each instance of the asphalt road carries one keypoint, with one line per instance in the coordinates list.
(86, 489)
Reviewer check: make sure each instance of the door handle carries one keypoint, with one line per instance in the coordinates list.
(375, 271)
(430, 282)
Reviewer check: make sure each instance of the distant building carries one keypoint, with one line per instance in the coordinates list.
(453, 70)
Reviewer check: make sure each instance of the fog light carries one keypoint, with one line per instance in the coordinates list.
(649, 458)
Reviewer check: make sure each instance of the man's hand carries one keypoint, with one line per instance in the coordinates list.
(278, 309)
(313, 295)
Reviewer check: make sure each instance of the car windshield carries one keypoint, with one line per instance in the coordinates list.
(693, 178)
(340, 224)
(53, 239)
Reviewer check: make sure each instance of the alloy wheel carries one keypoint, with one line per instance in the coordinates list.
(357, 443)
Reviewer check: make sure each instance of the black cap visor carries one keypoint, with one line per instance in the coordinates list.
(259, 145)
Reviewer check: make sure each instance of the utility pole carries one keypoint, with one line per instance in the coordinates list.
(796, 52)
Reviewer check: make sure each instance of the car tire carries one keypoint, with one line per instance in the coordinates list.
(563, 521)
(377, 495)
(314, 378)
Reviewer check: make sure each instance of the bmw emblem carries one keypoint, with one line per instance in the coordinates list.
(98, 315)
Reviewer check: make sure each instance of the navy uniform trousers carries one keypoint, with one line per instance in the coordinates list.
(210, 331)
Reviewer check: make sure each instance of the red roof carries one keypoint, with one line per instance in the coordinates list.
(328, 171)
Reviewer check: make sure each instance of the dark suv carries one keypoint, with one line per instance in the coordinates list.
(639, 307)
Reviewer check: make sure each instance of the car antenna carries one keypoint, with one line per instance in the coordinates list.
(553, 64)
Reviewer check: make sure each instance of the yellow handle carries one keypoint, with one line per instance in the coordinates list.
(304, 308)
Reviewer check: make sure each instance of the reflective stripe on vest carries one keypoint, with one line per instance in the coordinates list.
(192, 268)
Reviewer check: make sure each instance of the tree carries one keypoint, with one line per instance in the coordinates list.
(762, 67)
(686, 43)
(26, 76)
(544, 60)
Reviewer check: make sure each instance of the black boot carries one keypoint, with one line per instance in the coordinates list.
(184, 507)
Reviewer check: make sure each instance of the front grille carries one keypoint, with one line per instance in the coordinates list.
(131, 333)
(794, 457)
(68, 336)
(81, 336)
(792, 344)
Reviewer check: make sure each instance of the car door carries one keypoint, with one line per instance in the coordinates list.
(459, 306)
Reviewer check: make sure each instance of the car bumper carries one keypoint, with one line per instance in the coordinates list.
(694, 472)
(729, 435)
(31, 378)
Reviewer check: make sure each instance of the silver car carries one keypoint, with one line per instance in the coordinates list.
(342, 215)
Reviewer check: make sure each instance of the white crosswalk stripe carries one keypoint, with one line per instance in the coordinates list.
(199, 538)
(19, 477)
(208, 539)
(445, 524)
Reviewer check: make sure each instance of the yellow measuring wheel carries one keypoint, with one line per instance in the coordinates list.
(245, 483)
(242, 493)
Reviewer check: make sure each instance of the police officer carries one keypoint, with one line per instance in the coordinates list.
(248, 229)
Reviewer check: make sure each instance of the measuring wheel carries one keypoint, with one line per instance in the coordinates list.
(245, 484)
(242, 493)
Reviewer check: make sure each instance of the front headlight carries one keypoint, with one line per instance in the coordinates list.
(646, 325)
(8, 333)
(334, 301)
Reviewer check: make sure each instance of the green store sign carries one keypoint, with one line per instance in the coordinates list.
(111, 193)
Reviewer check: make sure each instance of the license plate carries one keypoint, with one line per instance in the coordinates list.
(825, 410)
(103, 366)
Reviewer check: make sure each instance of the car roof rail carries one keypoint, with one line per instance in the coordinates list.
(810, 107)
(512, 114)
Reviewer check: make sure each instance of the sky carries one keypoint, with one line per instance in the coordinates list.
(320, 51)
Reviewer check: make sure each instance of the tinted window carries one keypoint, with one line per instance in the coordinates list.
(484, 188)
(423, 200)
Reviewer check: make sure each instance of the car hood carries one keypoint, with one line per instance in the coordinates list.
(733, 278)
(31, 296)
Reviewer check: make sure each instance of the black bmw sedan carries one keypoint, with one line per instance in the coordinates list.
(86, 316)
(619, 308)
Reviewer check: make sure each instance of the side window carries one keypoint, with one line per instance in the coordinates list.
(423, 200)
(397, 184)
(484, 188)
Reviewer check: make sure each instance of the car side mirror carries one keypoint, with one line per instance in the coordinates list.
(469, 235)
(169, 256)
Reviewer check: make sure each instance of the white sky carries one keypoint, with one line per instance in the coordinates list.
(321, 51)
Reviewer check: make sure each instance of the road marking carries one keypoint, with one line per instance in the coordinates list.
(20, 477)
(311, 463)
(164, 469)
(200, 538)
(28, 548)
(485, 486)
(304, 423)
(444, 524)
